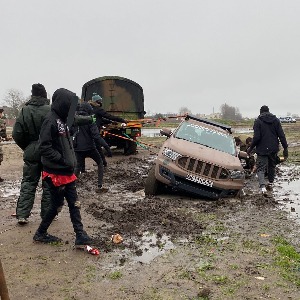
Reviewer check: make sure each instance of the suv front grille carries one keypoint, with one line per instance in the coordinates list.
(202, 168)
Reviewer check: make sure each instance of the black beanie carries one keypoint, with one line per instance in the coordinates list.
(38, 90)
(264, 108)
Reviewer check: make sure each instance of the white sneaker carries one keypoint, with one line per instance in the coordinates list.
(263, 190)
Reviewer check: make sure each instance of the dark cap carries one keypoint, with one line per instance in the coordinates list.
(264, 108)
(1, 110)
(38, 90)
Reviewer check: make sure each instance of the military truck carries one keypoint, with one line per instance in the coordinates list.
(124, 98)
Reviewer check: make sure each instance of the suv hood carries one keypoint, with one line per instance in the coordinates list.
(204, 153)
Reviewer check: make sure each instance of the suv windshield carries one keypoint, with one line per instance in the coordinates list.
(206, 136)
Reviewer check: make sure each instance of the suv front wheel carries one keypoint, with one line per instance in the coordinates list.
(152, 185)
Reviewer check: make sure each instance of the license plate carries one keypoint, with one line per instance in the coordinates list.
(199, 180)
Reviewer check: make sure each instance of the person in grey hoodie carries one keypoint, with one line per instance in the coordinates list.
(267, 134)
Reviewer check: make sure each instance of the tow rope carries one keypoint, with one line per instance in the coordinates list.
(126, 137)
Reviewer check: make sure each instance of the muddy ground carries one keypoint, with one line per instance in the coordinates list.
(175, 246)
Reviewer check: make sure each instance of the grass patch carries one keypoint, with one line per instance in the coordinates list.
(251, 245)
(115, 275)
(288, 260)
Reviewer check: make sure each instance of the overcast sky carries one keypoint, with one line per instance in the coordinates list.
(198, 54)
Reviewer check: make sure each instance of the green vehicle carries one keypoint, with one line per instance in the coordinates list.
(124, 98)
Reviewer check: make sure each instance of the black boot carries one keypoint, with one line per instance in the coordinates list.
(46, 238)
(82, 239)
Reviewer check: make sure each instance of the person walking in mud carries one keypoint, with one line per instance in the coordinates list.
(86, 140)
(102, 118)
(267, 134)
(3, 136)
(59, 161)
(26, 134)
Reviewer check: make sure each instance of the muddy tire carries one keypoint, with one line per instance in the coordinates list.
(130, 148)
(152, 185)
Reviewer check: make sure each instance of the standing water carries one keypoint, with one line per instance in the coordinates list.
(287, 190)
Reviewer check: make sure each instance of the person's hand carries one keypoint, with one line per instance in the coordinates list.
(285, 153)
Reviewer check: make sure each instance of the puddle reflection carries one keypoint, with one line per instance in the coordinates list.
(287, 190)
(152, 246)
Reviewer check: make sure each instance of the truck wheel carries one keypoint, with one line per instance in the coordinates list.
(152, 185)
(130, 148)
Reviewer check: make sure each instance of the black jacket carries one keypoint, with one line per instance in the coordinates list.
(103, 117)
(58, 156)
(267, 134)
(87, 137)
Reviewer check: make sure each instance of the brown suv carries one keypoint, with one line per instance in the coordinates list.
(199, 157)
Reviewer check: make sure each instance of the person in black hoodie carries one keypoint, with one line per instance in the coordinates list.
(267, 134)
(103, 118)
(59, 161)
(86, 141)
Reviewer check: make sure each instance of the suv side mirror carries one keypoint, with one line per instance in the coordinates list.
(166, 132)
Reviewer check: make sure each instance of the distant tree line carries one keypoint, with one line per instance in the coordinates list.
(15, 100)
(230, 113)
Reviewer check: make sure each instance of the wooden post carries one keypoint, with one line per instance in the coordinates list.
(3, 288)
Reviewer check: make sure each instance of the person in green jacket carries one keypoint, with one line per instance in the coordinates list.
(26, 134)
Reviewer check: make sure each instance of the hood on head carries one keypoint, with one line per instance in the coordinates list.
(61, 102)
(85, 108)
(267, 117)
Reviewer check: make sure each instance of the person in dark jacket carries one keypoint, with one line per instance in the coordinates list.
(267, 134)
(103, 118)
(59, 161)
(86, 140)
(26, 134)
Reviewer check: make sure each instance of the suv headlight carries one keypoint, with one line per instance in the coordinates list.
(236, 174)
(171, 153)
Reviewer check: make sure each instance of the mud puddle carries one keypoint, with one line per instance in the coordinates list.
(148, 247)
(10, 189)
(287, 190)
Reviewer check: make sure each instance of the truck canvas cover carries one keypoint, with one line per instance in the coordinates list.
(121, 96)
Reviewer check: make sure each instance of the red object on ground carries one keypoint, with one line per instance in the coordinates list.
(91, 250)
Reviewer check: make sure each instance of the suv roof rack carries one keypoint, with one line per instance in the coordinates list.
(223, 126)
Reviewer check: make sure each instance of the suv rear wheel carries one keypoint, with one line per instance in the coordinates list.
(152, 185)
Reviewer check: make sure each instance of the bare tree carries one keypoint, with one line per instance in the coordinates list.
(15, 100)
(230, 113)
